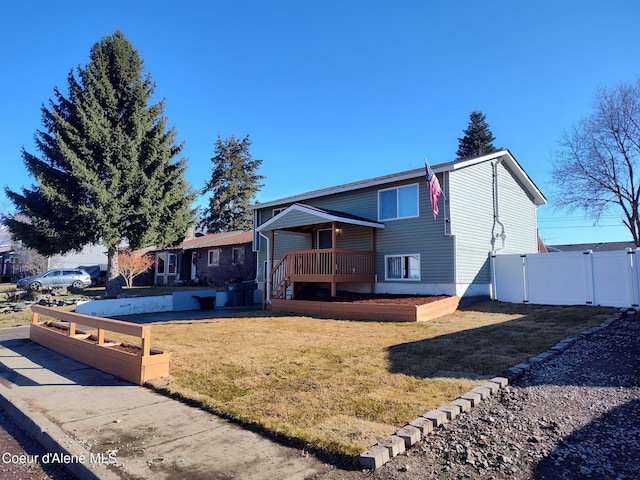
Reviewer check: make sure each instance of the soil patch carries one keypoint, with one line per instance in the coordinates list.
(324, 295)
(123, 347)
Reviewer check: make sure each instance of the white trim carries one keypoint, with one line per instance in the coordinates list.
(209, 262)
(460, 289)
(397, 189)
(319, 214)
(408, 279)
(318, 237)
(539, 198)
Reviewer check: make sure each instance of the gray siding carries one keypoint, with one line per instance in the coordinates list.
(421, 235)
(472, 219)
(518, 212)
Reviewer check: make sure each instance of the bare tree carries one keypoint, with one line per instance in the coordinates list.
(132, 264)
(596, 166)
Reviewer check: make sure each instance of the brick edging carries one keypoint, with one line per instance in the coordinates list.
(407, 436)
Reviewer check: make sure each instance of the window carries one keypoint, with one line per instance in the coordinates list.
(276, 211)
(214, 257)
(400, 202)
(237, 256)
(402, 267)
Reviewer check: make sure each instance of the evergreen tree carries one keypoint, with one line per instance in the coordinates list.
(477, 138)
(234, 183)
(107, 170)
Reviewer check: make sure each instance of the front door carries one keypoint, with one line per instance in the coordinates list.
(161, 273)
(194, 266)
(325, 238)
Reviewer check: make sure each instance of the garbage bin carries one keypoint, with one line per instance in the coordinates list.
(250, 287)
(235, 292)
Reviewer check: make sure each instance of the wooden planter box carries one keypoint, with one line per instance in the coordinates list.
(368, 311)
(98, 352)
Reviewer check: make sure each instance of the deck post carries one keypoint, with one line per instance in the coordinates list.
(270, 264)
(372, 243)
(334, 258)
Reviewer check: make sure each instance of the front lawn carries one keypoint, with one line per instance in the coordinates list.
(338, 386)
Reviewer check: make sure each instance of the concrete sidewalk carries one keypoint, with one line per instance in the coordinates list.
(111, 429)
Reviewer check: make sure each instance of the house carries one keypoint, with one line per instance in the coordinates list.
(380, 235)
(90, 254)
(594, 247)
(9, 266)
(207, 259)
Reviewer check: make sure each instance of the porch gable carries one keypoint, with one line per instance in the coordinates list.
(299, 215)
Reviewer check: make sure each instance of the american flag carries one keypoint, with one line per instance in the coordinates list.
(434, 188)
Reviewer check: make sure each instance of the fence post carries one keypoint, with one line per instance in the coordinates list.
(525, 280)
(494, 293)
(588, 275)
(635, 272)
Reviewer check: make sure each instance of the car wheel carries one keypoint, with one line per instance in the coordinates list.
(35, 286)
(77, 285)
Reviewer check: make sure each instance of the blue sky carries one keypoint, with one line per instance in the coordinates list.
(337, 91)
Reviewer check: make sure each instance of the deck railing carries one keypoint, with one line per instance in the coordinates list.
(332, 266)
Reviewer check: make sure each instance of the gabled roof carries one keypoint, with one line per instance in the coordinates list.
(209, 241)
(217, 240)
(504, 155)
(298, 215)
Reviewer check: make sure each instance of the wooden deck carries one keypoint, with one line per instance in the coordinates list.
(321, 266)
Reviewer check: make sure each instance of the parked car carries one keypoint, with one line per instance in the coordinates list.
(67, 277)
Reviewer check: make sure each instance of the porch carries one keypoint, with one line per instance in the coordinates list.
(332, 266)
(324, 233)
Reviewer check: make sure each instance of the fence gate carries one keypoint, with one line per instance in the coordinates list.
(568, 278)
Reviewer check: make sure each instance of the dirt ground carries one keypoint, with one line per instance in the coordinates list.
(324, 295)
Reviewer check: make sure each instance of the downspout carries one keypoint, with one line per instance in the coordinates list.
(496, 212)
(268, 269)
(448, 232)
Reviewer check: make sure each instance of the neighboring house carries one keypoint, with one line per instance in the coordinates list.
(594, 247)
(17, 261)
(380, 234)
(212, 259)
(9, 266)
(91, 254)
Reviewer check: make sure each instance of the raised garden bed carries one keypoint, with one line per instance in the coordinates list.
(376, 308)
(134, 363)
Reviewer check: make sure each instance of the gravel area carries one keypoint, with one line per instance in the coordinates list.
(573, 416)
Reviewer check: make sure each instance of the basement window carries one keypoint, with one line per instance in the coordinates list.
(402, 267)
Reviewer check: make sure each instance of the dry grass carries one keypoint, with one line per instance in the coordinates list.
(339, 386)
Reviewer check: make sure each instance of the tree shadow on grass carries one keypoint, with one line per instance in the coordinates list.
(489, 350)
(608, 360)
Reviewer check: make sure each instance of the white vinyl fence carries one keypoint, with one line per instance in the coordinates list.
(568, 278)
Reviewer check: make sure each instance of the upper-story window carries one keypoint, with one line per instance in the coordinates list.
(399, 202)
(276, 211)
